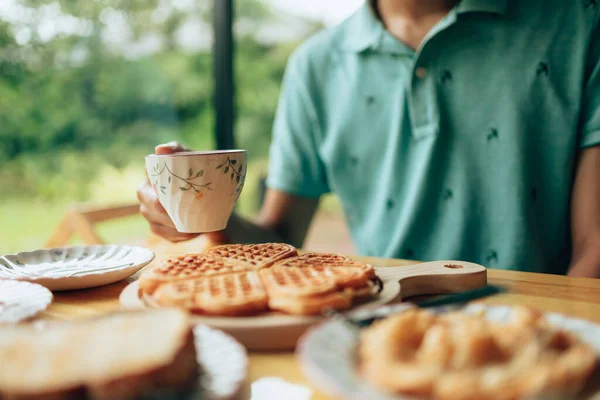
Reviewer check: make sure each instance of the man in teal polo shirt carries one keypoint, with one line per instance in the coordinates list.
(449, 130)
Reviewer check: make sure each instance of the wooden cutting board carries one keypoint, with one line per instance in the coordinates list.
(278, 331)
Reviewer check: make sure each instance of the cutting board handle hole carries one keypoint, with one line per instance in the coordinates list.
(453, 266)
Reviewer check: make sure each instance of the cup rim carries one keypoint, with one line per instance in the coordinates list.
(198, 153)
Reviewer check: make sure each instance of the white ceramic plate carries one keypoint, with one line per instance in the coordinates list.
(327, 355)
(76, 267)
(22, 300)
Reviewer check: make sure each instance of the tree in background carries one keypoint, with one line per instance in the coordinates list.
(88, 83)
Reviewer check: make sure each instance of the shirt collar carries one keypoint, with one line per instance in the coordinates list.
(365, 31)
(490, 6)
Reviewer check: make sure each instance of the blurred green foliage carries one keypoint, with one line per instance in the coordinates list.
(71, 103)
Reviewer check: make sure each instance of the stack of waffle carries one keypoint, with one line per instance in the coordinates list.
(249, 279)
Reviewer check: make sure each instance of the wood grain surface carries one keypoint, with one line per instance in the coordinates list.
(577, 297)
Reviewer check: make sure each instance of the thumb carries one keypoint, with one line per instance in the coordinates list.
(169, 148)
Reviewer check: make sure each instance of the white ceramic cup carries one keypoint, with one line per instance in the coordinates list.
(198, 189)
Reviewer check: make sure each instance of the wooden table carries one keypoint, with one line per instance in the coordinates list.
(577, 297)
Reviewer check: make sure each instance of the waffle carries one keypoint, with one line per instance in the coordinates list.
(231, 294)
(184, 267)
(254, 256)
(297, 282)
(310, 289)
(326, 258)
(312, 305)
(330, 261)
(245, 279)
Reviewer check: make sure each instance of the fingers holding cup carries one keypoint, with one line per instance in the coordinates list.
(198, 190)
(170, 148)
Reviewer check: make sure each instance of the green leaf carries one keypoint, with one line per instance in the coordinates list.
(163, 187)
(163, 191)
(226, 169)
(184, 188)
(232, 176)
(237, 179)
(191, 172)
(169, 179)
(219, 166)
(233, 162)
(200, 173)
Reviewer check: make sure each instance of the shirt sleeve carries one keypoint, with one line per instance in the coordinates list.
(591, 100)
(294, 163)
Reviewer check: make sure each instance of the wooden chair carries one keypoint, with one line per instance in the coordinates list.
(80, 220)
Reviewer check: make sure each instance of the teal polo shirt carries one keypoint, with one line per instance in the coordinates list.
(464, 149)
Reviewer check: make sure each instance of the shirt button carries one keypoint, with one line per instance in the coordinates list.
(421, 72)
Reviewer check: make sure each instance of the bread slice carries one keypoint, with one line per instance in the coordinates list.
(122, 356)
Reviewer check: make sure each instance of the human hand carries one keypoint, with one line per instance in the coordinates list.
(150, 207)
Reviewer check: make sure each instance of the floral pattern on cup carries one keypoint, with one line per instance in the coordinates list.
(187, 183)
(229, 167)
(198, 190)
